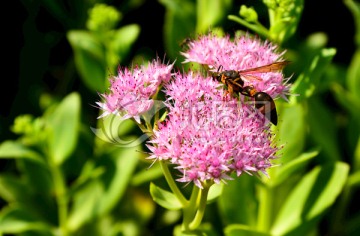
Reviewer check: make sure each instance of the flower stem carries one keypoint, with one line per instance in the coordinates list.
(174, 188)
(190, 210)
(257, 27)
(201, 208)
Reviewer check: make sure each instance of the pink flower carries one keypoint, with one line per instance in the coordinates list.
(209, 135)
(239, 54)
(131, 91)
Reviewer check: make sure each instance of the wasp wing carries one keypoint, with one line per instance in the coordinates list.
(273, 67)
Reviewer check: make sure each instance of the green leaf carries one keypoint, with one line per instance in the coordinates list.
(285, 171)
(12, 149)
(122, 41)
(356, 160)
(90, 59)
(313, 44)
(164, 198)
(354, 179)
(210, 13)
(179, 24)
(348, 100)
(243, 230)
(14, 220)
(12, 189)
(322, 121)
(88, 174)
(117, 177)
(291, 130)
(84, 205)
(98, 197)
(307, 81)
(63, 123)
(353, 74)
(39, 180)
(214, 192)
(23, 191)
(354, 8)
(112, 129)
(147, 175)
(316, 192)
(238, 203)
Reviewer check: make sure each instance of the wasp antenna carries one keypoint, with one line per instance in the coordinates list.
(220, 67)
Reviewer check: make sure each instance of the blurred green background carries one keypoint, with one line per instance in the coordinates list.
(58, 178)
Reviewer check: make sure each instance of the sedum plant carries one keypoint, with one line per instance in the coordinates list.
(173, 152)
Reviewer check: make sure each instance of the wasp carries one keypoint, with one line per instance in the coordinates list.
(234, 81)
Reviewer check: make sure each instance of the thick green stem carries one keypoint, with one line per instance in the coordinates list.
(201, 208)
(174, 188)
(194, 198)
(190, 210)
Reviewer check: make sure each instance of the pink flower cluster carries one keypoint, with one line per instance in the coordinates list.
(239, 54)
(208, 137)
(131, 91)
(207, 134)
